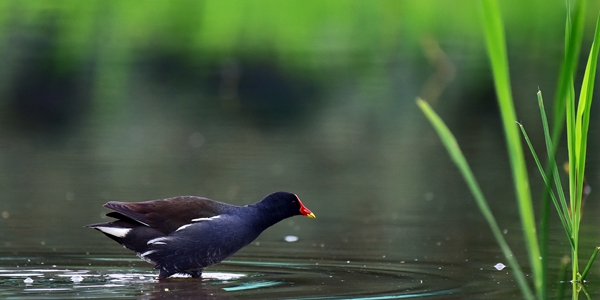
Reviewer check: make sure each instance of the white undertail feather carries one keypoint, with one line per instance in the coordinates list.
(115, 231)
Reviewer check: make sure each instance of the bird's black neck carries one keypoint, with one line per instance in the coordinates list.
(267, 215)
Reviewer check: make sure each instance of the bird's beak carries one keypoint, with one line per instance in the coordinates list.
(305, 211)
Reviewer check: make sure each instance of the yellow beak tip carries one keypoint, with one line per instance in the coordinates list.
(312, 216)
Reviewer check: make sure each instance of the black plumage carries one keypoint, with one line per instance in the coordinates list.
(187, 234)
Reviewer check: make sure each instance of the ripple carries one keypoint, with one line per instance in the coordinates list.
(274, 279)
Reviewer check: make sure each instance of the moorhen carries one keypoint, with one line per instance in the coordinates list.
(186, 234)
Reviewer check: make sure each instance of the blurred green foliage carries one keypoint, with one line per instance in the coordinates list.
(283, 27)
(326, 41)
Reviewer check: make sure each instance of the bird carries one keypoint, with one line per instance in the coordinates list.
(187, 234)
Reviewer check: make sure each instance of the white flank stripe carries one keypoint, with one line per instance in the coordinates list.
(143, 255)
(183, 227)
(205, 219)
(158, 241)
(115, 231)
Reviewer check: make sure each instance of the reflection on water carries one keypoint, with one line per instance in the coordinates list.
(331, 264)
(236, 280)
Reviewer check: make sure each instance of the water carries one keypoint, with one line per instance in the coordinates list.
(244, 277)
(236, 279)
(375, 260)
(394, 219)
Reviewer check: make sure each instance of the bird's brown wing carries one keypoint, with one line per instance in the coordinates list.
(168, 214)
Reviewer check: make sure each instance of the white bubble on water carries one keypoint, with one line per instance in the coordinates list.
(291, 238)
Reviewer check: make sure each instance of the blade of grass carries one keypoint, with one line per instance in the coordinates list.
(560, 205)
(563, 209)
(583, 113)
(577, 129)
(496, 47)
(590, 262)
(573, 37)
(459, 159)
(563, 218)
(563, 109)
